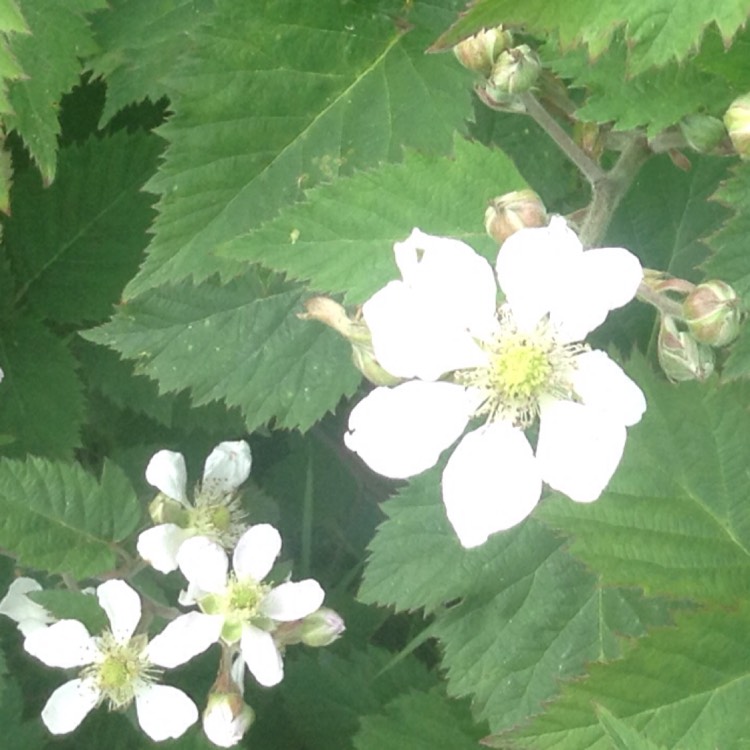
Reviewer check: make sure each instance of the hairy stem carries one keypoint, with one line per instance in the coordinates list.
(661, 302)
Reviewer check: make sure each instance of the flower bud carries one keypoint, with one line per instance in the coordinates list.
(515, 70)
(226, 718)
(713, 314)
(703, 133)
(321, 628)
(164, 509)
(681, 357)
(480, 51)
(513, 211)
(737, 120)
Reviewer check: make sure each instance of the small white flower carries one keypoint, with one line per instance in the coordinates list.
(250, 609)
(217, 512)
(506, 367)
(29, 615)
(120, 667)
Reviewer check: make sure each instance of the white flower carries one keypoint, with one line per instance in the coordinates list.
(226, 719)
(120, 667)
(217, 512)
(506, 367)
(29, 615)
(250, 609)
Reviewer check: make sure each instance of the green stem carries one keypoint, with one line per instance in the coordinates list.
(662, 303)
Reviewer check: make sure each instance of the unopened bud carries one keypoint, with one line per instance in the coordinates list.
(713, 314)
(737, 120)
(681, 357)
(480, 51)
(226, 719)
(355, 331)
(321, 628)
(513, 211)
(164, 509)
(703, 133)
(515, 70)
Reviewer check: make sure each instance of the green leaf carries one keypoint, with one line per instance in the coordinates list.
(419, 721)
(241, 343)
(49, 57)
(514, 616)
(674, 519)
(141, 41)
(622, 735)
(686, 686)
(86, 232)
(341, 239)
(11, 18)
(18, 734)
(41, 405)
(277, 96)
(65, 605)
(656, 31)
(56, 517)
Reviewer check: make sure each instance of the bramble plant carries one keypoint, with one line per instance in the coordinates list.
(449, 303)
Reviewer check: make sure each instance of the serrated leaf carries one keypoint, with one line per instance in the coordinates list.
(686, 687)
(674, 518)
(56, 517)
(141, 41)
(521, 616)
(419, 721)
(41, 405)
(622, 735)
(656, 31)
(341, 239)
(241, 343)
(65, 605)
(11, 18)
(84, 233)
(49, 57)
(278, 96)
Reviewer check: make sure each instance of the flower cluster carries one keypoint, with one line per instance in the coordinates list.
(467, 361)
(252, 618)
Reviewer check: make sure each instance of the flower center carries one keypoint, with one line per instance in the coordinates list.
(520, 368)
(121, 669)
(218, 517)
(239, 605)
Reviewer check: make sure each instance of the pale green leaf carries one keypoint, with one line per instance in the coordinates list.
(241, 343)
(11, 18)
(341, 239)
(674, 520)
(86, 232)
(50, 58)
(277, 96)
(622, 735)
(656, 31)
(55, 516)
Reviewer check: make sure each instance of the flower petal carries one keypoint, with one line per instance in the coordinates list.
(220, 723)
(68, 706)
(261, 656)
(402, 431)
(123, 608)
(185, 637)
(227, 467)
(579, 449)
(293, 601)
(164, 712)
(491, 482)
(601, 384)
(158, 546)
(204, 563)
(28, 614)
(64, 644)
(167, 472)
(256, 552)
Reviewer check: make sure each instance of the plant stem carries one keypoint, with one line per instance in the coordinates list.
(661, 302)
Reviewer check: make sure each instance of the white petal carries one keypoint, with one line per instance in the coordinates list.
(417, 337)
(448, 274)
(164, 712)
(166, 471)
(220, 724)
(158, 546)
(293, 601)
(185, 637)
(491, 482)
(402, 431)
(601, 383)
(64, 644)
(123, 608)
(531, 266)
(256, 552)
(68, 706)
(261, 656)
(204, 563)
(227, 467)
(28, 614)
(579, 449)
